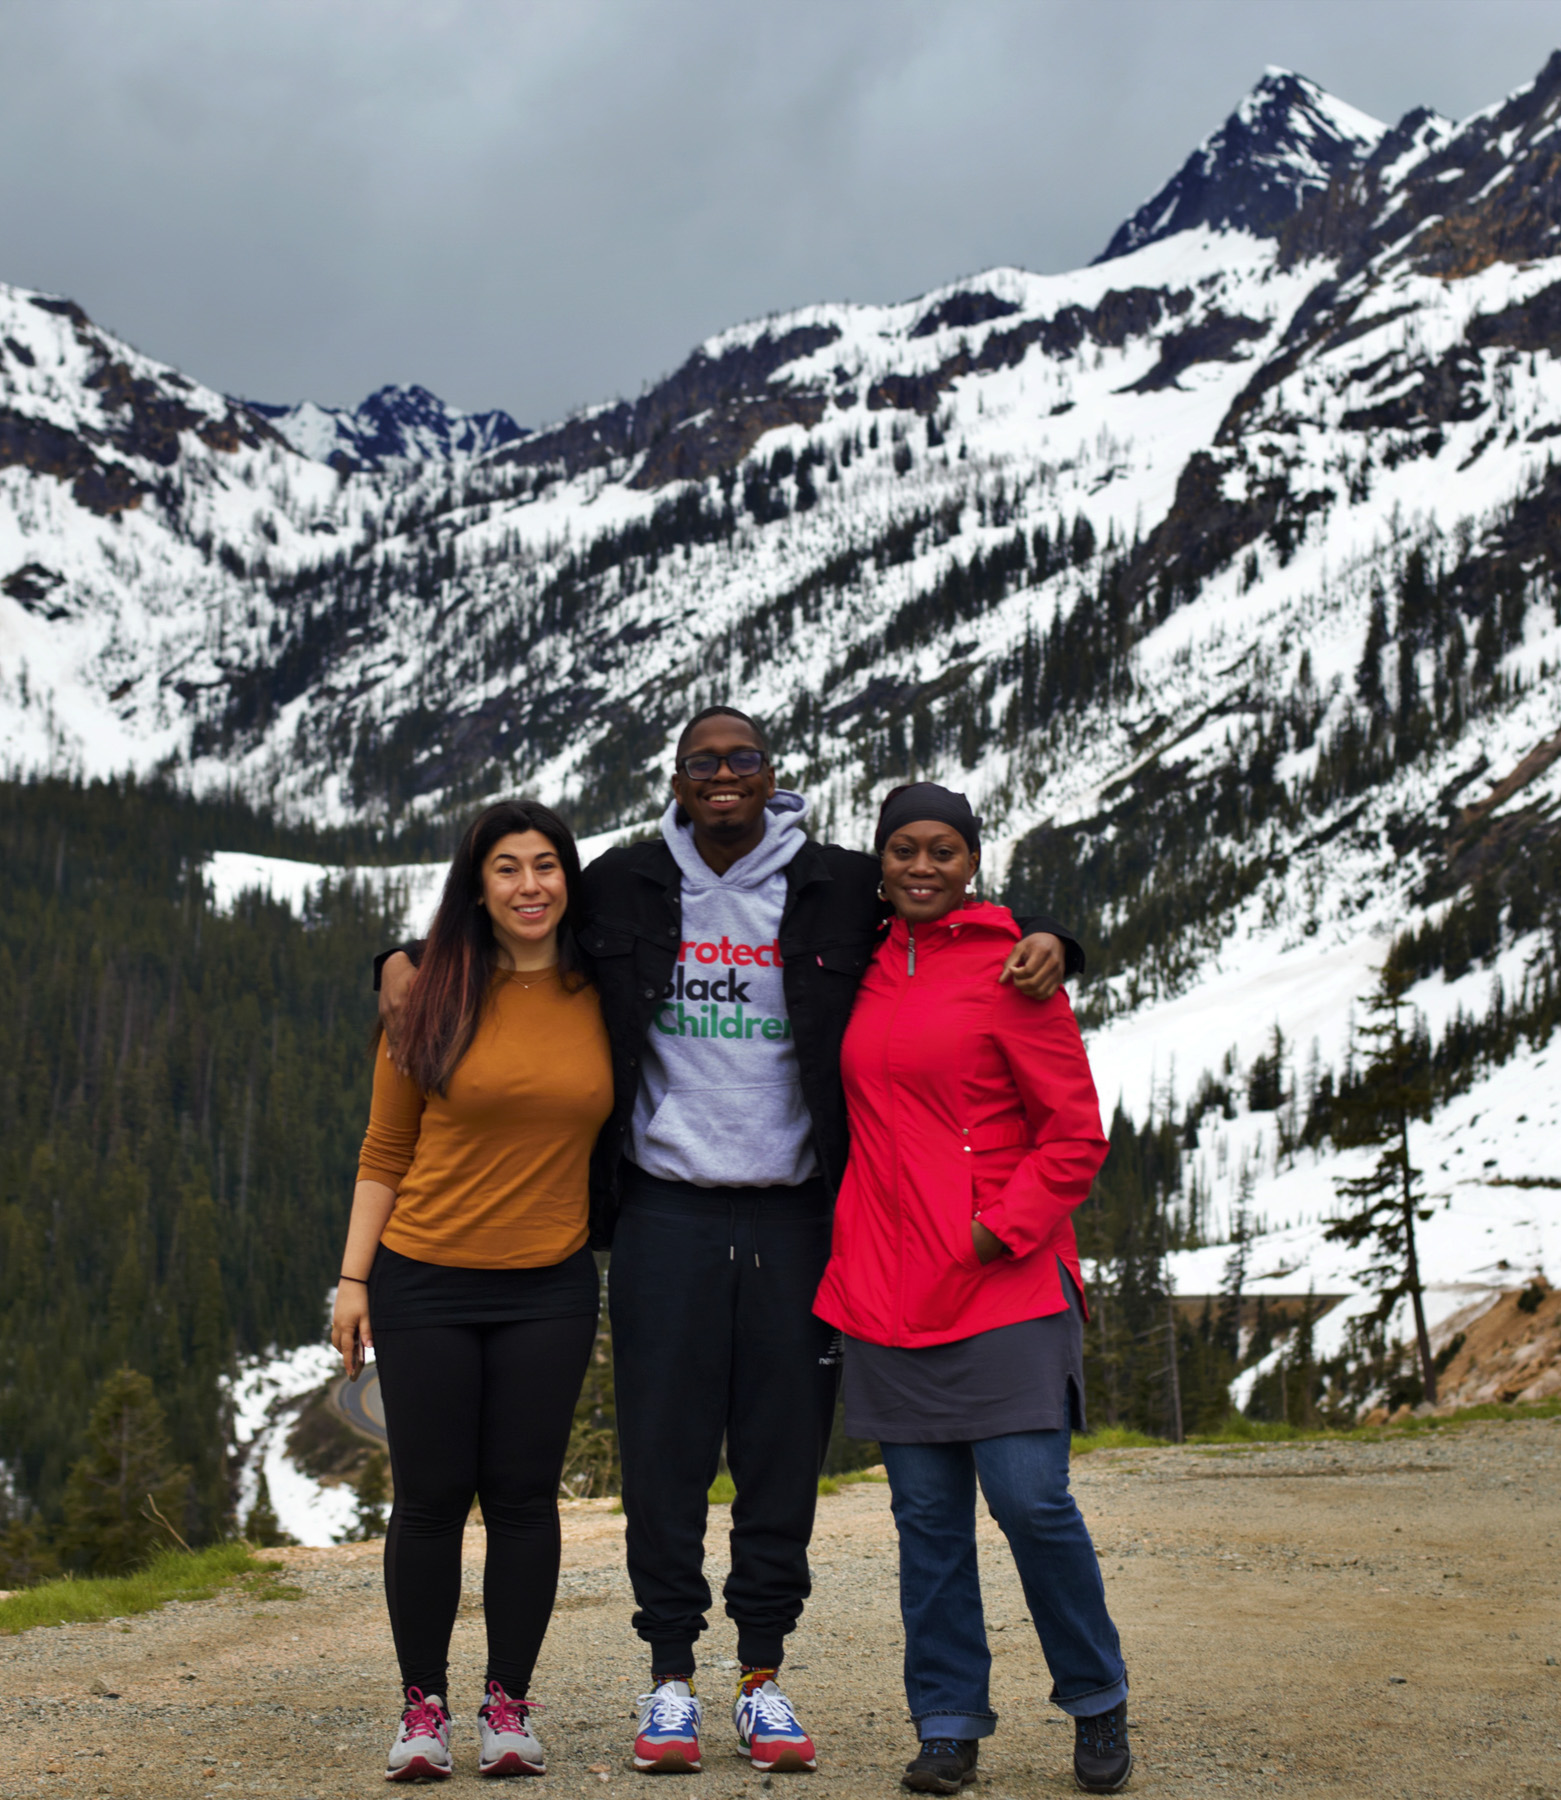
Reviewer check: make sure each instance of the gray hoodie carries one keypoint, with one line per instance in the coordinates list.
(720, 1103)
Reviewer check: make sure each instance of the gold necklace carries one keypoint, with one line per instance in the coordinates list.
(542, 975)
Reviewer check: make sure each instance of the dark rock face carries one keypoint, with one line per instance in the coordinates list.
(700, 421)
(101, 487)
(961, 311)
(148, 421)
(36, 587)
(1282, 145)
(1216, 338)
(142, 418)
(1121, 314)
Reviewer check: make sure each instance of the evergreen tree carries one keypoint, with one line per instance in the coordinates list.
(262, 1527)
(1227, 1328)
(1081, 545)
(1368, 676)
(183, 1092)
(1392, 1087)
(373, 1492)
(25, 1557)
(117, 1490)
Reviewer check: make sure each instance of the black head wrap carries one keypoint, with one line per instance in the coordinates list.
(926, 800)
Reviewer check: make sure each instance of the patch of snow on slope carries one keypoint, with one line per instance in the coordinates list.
(265, 1395)
(414, 888)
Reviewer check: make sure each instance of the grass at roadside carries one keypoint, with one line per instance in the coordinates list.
(1238, 1430)
(172, 1575)
(723, 1490)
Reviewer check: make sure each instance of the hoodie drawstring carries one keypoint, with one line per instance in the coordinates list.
(731, 1231)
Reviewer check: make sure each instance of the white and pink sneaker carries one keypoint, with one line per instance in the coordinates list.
(509, 1746)
(421, 1751)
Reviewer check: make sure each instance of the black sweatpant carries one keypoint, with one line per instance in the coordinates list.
(711, 1298)
(476, 1411)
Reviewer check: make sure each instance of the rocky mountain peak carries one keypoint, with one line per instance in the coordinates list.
(394, 425)
(1286, 141)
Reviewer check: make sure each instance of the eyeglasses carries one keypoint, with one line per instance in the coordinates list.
(704, 765)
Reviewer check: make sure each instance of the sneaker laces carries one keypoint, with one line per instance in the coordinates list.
(422, 1717)
(670, 1712)
(940, 1746)
(773, 1709)
(506, 1714)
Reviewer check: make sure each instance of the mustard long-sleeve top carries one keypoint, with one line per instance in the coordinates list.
(494, 1173)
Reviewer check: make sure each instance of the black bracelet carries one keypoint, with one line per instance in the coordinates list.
(357, 1278)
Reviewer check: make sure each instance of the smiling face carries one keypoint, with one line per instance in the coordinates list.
(926, 869)
(726, 809)
(525, 893)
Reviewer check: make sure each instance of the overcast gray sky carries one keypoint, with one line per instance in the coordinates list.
(539, 203)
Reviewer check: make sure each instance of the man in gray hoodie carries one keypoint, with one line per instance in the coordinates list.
(730, 1157)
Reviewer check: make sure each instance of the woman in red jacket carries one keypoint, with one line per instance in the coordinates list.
(955, 1280)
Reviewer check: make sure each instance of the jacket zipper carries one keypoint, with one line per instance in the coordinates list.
(894, 1126)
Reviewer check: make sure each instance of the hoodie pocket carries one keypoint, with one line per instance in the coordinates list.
(729, 1136)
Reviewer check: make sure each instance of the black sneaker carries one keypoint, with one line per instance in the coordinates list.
(1102, 1760)
(942, 1766)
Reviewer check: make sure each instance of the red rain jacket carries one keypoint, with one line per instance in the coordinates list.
(966, 1100)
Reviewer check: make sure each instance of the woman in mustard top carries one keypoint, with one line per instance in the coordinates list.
(466, 1269)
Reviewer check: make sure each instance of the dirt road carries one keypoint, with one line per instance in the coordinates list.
(1365, 1619)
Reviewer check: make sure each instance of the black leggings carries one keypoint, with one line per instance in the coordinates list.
(476, 1411)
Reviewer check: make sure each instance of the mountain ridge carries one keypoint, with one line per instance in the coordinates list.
(1224, 574)
(394, 425)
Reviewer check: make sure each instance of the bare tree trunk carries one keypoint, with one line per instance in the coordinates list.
(1412, 1265)
(1170, 1330)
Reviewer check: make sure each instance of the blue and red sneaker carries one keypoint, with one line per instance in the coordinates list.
(668, 1743)
(768, 1729)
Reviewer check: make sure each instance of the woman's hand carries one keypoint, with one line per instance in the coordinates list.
(351, 1332)
(988, 1245)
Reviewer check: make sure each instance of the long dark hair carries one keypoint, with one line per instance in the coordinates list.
(454, 974)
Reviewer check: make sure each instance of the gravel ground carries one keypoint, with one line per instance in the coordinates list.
(1378, 1619)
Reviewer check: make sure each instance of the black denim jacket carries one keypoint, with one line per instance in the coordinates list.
(829, 930)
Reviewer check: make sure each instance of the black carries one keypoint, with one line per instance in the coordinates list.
(1102, 1757)
(477, 1412)
(942, 1766)
(404, 1291)
(710, 1294)
(926, 800)
(1023, 1377)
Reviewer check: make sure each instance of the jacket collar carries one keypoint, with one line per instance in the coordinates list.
(660, 866)
(809, 864)
(977, 916)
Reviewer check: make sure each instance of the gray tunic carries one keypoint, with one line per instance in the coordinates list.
(1024, 1377)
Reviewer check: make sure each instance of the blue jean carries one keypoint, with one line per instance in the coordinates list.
(947, 1663)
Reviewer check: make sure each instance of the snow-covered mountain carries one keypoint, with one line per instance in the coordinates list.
(1277, 151)
(1223, 573)
(395, 425)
